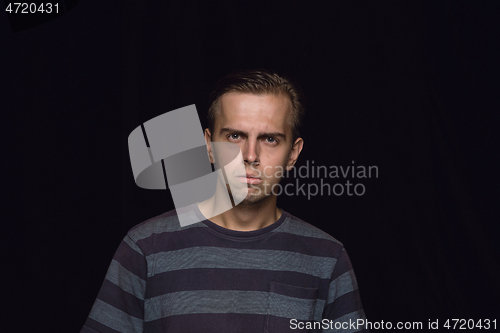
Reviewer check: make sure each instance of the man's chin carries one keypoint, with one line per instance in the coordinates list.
(252, 199)
(248, 196)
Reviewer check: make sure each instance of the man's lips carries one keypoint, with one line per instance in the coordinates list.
(249, 179)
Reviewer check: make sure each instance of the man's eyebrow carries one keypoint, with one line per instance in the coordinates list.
(260, 135)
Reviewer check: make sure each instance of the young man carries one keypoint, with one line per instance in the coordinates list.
(253, 268)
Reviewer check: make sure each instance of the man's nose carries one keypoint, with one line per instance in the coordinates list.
(251, 152)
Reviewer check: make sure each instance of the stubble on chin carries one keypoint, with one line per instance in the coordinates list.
(251, 197)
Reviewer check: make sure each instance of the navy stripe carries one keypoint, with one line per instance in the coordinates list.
(122, 300)
(230, 279)
(92, 326)
(197, 237)
(343, 305)
(282, 325)
(294, 290)
(132, 260)
(349, 321)
(208, 323)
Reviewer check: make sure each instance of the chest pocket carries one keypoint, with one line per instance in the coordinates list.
(288, 302)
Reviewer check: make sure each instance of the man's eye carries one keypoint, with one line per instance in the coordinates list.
(234, 136)
(271, 140)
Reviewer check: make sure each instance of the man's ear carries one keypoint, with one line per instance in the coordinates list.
(208, 139)
(294, 153)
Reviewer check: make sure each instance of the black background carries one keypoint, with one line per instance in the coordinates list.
(409, 87)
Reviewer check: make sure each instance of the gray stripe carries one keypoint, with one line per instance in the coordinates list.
(229, 301)
(348, 319)
(133, 245)
(114, 318)
(163, 224)
(291, 307)
(214, 257)
(300, 228)
(206, 301)
(318, 311)
(342, 285)
(126, 280)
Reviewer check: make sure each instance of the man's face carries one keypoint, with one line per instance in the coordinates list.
(261, 125)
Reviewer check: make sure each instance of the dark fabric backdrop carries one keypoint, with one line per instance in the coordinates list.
(411, 88)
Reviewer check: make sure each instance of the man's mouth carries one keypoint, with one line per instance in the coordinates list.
(249, 179)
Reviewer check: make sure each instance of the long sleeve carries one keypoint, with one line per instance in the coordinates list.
(119, 306)
(343, 305)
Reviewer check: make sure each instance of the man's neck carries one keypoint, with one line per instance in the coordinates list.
(248, 217)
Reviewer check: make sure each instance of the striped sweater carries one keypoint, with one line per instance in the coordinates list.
(206, 278)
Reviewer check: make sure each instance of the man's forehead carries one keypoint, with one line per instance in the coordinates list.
(269, 108)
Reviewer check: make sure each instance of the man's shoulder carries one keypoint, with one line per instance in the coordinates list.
(166, 222)
(297, 226)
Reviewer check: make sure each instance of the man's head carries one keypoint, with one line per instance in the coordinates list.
(258, 82)
(261, 112)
